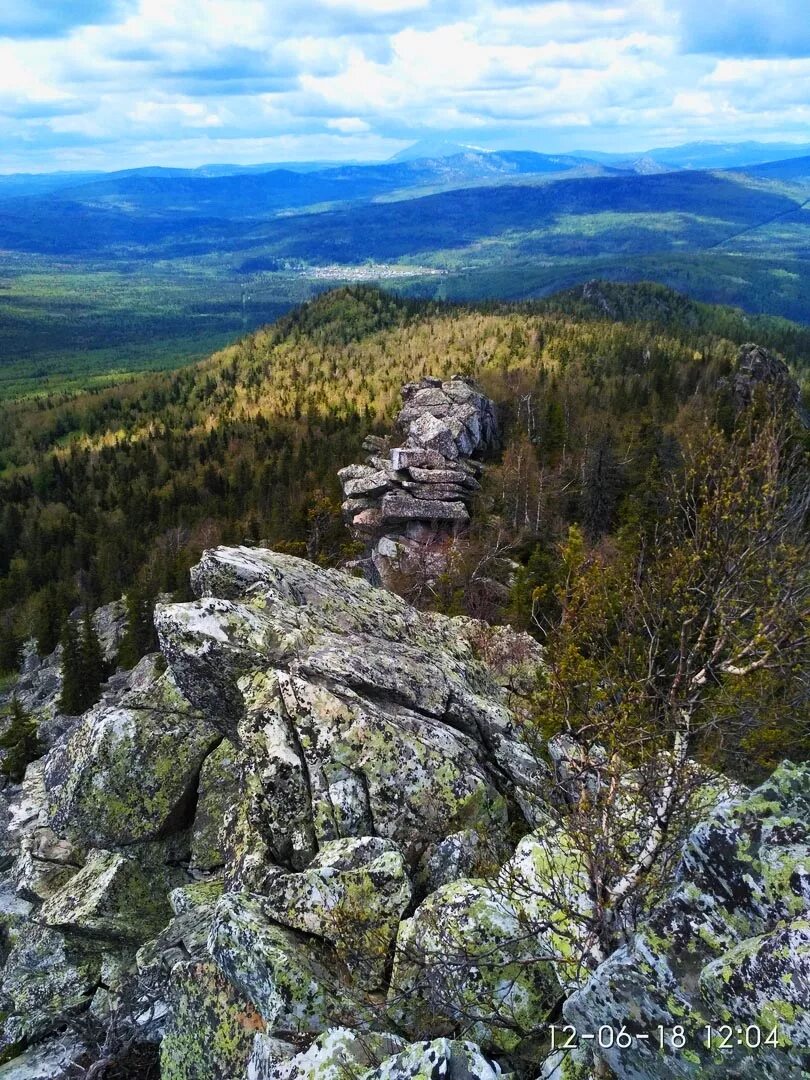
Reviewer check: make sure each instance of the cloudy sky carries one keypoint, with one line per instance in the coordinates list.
(116, 83)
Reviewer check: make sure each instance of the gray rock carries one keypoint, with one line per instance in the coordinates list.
(217, 793)
(128, 772)
(282, 972)
(404, 457)
(337, 1054)
(446, 1058)
(430, 433)
(729, 945)
(111, 897)
(467, 958)
(50, 1060)
(425, 482)
(442, 492)
(45, 864)
(403, 507)
(759, 369)
(46, 977)
(352, 895)
(370, 484)
(211, 1025)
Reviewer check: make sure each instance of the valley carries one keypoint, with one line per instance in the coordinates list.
(152, 270)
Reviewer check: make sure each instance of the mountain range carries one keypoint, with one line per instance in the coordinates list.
(111, 272)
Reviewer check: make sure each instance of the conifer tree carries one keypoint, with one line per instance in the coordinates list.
(139, 637)
(83, 667)
(72, 695)
(10, 648)
(94, 668)
(19, 743)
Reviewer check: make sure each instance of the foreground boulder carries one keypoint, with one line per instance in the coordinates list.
(355, 714)
(128, 772)
(728, 952)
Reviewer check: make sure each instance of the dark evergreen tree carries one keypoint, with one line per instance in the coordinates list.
(83, 666)
(19, 743)
(94, 666)
(72, 696)
(602, 488)
(139, 636)
(48, 617)
(10, 648)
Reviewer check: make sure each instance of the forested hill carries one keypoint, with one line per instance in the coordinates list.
(122, 487)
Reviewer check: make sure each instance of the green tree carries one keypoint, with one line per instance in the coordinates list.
(139, 636)
(10, 647)
(646, 688)
(601, 489)
(72, 697)
(83, 666)
(20, 743)
(93, 664)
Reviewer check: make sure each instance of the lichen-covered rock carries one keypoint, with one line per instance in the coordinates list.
(212, 1027)
(764, 982)
(729, 946)
(547, 883)
(46, 977)
(354, 713)
(45, 864)
(462, 854)
(217, 793)
(446, 1058)
(352, 895)
(128, 772)
(270, 1057)
(185, 939)
(111, 897)
(337, 1054)
(283, 973)
(467, 957)
(759, 370)
(51, 1060)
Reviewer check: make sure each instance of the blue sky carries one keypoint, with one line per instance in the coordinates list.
(117, 83)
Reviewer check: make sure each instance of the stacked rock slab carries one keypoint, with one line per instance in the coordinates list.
(407, 502)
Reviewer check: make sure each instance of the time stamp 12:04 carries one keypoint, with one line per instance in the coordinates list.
(719, 1037)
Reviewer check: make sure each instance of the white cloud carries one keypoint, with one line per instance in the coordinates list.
(348, 125)
(362, 76)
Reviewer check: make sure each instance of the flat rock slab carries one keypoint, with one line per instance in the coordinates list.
(405, 508)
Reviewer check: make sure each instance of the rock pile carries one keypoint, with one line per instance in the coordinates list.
(308, 840)
(408, 500)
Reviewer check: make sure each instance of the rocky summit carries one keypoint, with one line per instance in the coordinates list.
(408, 501)
(308, 839)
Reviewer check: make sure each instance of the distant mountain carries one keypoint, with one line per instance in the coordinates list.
(201, 193)
(434, 148)
(183, 216)
(702, 155)
(792, 169)
(15, 185)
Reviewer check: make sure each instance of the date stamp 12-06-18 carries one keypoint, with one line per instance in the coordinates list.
(712, 1037)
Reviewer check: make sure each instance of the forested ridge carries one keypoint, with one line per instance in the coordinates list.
(120, 488)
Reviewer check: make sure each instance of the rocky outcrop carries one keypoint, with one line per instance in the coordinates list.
(310, 841)
(760, 369)
(406, 503)
(728, 952)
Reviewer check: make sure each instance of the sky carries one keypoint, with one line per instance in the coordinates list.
(108, 84)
